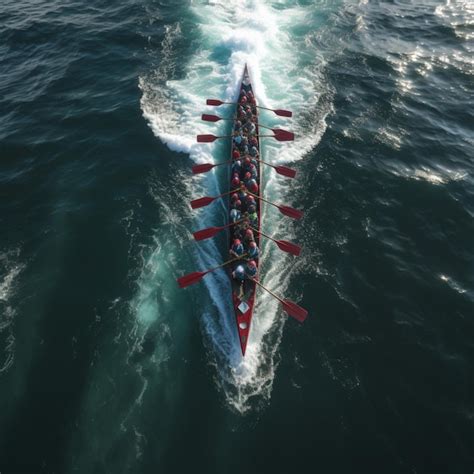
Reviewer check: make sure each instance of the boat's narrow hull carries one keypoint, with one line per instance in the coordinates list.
(244, 302)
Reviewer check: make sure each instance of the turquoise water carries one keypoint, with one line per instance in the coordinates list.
(107, 366)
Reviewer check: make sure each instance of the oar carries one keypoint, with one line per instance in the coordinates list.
(283, 170)
(205, 167)
(212, 231)
(210, 138)
(216, 118)
(194, 277)
(205, 201)
(280, 112)
(281, 136)
(291, 308)
(274, 130)
(285, 210)
(283, 245)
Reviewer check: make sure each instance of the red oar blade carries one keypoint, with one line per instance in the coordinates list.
(190, 279)
(210, 118)
(206, 233)
(201, 202)
(288, 247)
(214, 102)
(204, 168)
(283, 113)
(284, 136)
(290, 212)
(285, 171)
(294, 310)
(206, 138)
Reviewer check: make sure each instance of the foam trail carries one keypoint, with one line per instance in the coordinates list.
(10, 269)
(234, 33)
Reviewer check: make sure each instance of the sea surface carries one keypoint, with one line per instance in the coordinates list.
(106, 366)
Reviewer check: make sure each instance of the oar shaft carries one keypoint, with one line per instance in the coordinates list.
(263, 233)
(261, 198)
(269, 291)
(226, 263)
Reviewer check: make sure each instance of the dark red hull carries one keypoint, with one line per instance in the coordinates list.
(244, 306)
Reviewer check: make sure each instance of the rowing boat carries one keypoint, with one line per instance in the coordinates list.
(244, 301)
(242, 195)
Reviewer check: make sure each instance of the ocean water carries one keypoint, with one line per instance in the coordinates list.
(106, 366)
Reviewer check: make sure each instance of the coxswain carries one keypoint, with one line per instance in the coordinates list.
(237, 249)
(251, 269)
(239, 276)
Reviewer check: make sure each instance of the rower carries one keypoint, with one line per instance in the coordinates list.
(247, 179)
(249, 127)
(247, 164)
(248, 237)
(253, 142)
(236, 167)
(253, 251)
(249, 200)
(236, 204)
(253, 171)
(251, 269)
(252, 186)
(237, 125)
(235, 182)
(248, 113)
(253, 216)
(243, 100)
(237, 138)
(243, 194)
(254, 151)
(237, 248)
(235, 154)
(235, 214)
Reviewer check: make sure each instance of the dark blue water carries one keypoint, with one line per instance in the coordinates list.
(107, 367)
